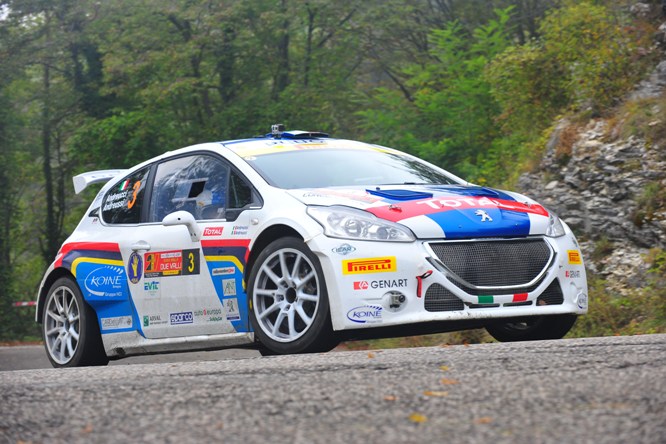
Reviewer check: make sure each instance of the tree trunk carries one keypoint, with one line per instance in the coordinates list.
(50, 247)
(282, 72)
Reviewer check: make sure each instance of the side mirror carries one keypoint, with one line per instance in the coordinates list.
(183, 218)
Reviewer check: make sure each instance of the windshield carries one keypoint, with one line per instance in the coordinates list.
(344, 167)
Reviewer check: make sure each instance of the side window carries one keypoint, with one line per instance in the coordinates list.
(240, 193)
(123, 202)
(196, 184)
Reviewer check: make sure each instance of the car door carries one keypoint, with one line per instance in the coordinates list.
(175, 289)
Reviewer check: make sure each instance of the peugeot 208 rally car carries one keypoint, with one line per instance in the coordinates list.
(294, 241)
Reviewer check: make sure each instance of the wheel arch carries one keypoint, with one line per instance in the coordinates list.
(266, 237)
(46, 286)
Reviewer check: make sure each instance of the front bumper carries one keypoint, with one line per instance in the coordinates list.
(380, 284)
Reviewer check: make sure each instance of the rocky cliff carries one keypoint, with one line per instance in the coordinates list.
(606, 177)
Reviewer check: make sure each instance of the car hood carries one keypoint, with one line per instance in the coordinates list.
(449, 211)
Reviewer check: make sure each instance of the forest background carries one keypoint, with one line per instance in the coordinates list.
(474, 86)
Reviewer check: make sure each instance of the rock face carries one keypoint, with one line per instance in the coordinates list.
(600, 189)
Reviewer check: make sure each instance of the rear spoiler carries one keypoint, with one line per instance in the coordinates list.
(82, 181)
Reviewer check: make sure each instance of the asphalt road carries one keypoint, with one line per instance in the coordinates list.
(596, 390)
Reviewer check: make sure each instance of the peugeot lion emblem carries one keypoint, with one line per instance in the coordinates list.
(484, 216)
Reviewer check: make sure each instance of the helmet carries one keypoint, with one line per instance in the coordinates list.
(210, 205)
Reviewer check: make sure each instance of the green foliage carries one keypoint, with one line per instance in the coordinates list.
(652, 200)
(598, 56)
(530, 90)
(451, 117)
(643, 118)
(123, 140)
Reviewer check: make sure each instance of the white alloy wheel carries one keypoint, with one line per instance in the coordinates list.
(62, 326)
(288, 300)
(286, 295)
(70, 329)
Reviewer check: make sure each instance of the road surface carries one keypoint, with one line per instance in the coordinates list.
(595, 390)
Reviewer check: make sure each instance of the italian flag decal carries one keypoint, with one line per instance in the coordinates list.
(486, 299)
(124, 185)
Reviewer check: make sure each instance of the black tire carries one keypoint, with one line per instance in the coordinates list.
(289, 308)
(533, 328)
(70, 329)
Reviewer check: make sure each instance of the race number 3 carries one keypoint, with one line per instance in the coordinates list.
(190, 261)
(132, 201)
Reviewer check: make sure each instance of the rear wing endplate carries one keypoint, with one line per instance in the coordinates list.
(82, 181)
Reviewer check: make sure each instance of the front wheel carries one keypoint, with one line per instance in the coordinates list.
(533, 328)
(289, 308)
(70, 329)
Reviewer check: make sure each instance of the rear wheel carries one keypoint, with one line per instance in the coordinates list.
(70, 329)
(532, 328)
(289, 303)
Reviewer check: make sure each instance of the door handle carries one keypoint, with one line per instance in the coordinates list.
(140, 245)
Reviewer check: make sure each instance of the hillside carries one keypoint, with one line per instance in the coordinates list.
(606, 177)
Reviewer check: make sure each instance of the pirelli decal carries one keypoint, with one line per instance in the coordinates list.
(370, 265)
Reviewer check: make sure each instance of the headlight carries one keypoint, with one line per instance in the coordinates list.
(555, 227)
(349, 223)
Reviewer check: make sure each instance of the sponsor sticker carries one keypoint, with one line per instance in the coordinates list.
(209, 314)
(343, 249)
(370, 265)
(134, 268)
(213, 231)
(240, 230)
(361, 285)
(116, 322)
(582, 301)
(231, 309)
(172, 263)
(185, 317)
(229, 287)
(572, 274)
(385, 283)
(149, 320)
(223, 271)
(574, 257)
(116, 200)
(105, 281)
(365, 314)
(151, 287)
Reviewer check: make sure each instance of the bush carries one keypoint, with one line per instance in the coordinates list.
(599, 56)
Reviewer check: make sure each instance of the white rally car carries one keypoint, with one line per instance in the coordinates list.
(295, 241)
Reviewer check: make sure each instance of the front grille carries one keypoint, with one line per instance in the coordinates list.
(438, 298)
(551, 295)
(497, 263)
(495, 291)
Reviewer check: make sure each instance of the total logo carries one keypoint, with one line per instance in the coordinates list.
(213, 231)
(365, 314)
(185, 317)
(386, 283)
